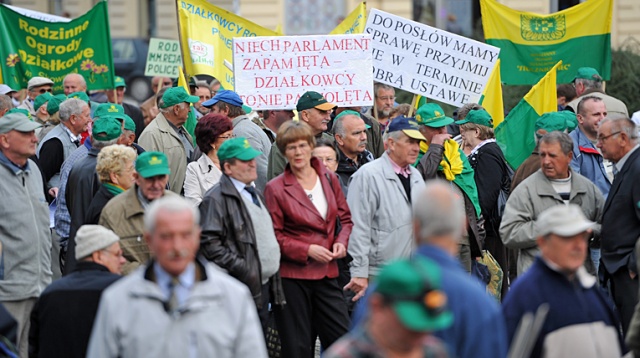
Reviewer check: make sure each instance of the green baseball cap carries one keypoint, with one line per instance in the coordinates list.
(432, 115)
(21, 110)
(477, 116)
(108, 109)
(587, 73)
(53, 105)
(412, 288)
(41, 99)
(176, 95)
(313, 99)
(129, 124)
(556, 121)
(79, 95)
(238, 148)
(151, 164)
(106, 128)
(17, 121)
(119, 82)
(350, 113)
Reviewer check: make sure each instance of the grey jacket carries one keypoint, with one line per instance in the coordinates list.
(68, 147)
(218, 319)
(25, 265)
(381, 215)
(244, 127)
(533, 196)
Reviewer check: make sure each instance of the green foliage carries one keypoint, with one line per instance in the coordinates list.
(625, 74)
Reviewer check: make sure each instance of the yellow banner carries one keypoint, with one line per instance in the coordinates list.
(590, 18)
(354, 23)
(206, 38)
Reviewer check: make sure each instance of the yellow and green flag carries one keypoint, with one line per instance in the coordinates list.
(206, 38)
(515, 134)
(354, 23)
(530, 44)
(491, 98)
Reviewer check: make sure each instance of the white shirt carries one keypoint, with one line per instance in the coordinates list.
(317, 197)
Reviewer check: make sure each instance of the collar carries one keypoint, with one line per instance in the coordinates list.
(144, 202)
(174, 127)
(89, 266)
(440, 256)
(620, 164)
(405, 171)
(239, 185)
(13, 166)
(582, 276)
(73, 137)
(481, 144)
(239, 119)
(206, 164)
(186, 279)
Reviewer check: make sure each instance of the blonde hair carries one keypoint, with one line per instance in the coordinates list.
(484, 132)
(113, 159)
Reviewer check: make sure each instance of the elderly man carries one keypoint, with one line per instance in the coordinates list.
(124, 213)
(385, 97)
(5, 104)
(167, 134)
(440, 148)
(380, 201)
(314, 109)
(374, 136)
(588, 82)
(196, 308)
(618, 141)
(36, 86)
(63, 316)
(25, 239)
(406, 305)
(581, 322)
(554, 184)
(230, 104)
(271, 121)
(116, 96)
(237, 232)
(74, 82)
(350, 133)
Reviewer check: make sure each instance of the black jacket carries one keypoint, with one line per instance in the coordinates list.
(63, 316)
(102, 197)
(346, 166)
(136, 114)
(228, 238)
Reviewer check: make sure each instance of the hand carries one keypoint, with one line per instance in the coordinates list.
(319, 253)
(358, 285)
(53, 192)
(440, 138)
(632, 274)
(339, 251)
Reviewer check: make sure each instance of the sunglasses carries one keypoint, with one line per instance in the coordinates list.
(43, 90)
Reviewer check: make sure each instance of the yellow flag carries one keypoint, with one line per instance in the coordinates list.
(206, 38)
(182, 81)
(279, 29)
(354, 23)
(491, 98)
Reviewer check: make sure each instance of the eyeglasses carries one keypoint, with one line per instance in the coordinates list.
(326, 159)
(227, 136)
(602, 139)
(43, 90)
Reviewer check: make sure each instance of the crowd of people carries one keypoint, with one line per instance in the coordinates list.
(199, 227)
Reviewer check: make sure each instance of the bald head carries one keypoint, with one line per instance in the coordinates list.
(74, 82)
(438, 214)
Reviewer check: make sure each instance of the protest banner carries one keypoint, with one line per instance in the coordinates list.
(354, 23)
(532, 44)
(428, 61)
(273, 72)
(32, 47)
(206, 33)
(38, 15)
(163, 58)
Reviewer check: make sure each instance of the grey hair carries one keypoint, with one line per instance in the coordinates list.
(590, 84)
(5, 102)
(466, 108)
(70, 107)
(562, 138)
(338, 125)
(82, 80)
(170, 108)
(379, 86)
(396, 135)
(171, 204)
(625, 125)
(584, 100)
(100, 144)
(438, 211)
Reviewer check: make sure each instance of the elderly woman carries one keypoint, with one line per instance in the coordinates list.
(115, 168)
(211, 131)
(312, 223)
(491, 175)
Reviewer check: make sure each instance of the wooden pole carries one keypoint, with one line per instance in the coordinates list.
(413, 105)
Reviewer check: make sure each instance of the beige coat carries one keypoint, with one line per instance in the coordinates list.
(201, 176)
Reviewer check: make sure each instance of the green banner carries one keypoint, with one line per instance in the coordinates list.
(31, 47)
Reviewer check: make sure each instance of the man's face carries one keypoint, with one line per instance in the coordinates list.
(152, 188)
(174, 240)
(112, 258)
(610, 142)
(404, 151)
(593, 113)
(383, 314)
(554, 163)
(241, 170)
(429, 132)
(181, 112)
(19, 145)
(161, 81)
(282, 116)
(568, 253)
(355, 138)
(204, 94)
(384, 101)
(116, 95)
(80, 122)
(317, 119)
(36, 91)
(73, 84)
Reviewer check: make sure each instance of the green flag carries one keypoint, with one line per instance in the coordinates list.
(30, 47)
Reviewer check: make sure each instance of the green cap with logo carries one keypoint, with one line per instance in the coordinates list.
(313, 99)
(477, 116)
(17, 121)
(80, 95)
(413, 288)
(587, 73)
(108, 109)
(41, 99)
(432, 115)
(238, 148)
(177, 95)
(129, 124)
(21, 110)
(106, 128)
(151, 164)
(119, 82)
(349, 112)
(53, 105)
(556, 121)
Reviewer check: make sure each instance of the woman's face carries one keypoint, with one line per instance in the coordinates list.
(327, 156)
(221, 139)
(125, 178)
(298, 154)
(469, 136)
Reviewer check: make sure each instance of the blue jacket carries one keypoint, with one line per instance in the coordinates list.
(589, 162)
(478, 329)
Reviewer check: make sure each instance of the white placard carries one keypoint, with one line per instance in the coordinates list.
(272, 72)
(428, 61)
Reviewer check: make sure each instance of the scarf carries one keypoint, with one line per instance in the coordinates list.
(113, 189)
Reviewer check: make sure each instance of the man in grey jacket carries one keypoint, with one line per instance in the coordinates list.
(25, 239)
(177, 305)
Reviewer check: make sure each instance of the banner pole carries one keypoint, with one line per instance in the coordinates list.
(184, 68)
(413, 105)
